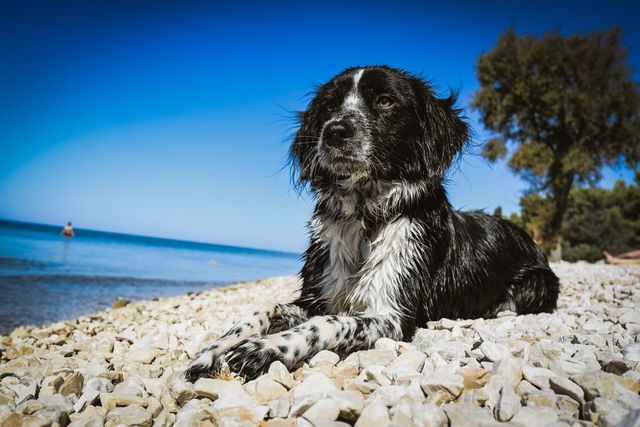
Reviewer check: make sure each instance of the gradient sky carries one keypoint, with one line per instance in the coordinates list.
(171, 118)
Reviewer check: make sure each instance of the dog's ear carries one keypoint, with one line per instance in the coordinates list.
(302, 151)
(445, 133)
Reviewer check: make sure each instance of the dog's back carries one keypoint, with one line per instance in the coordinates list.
(489, 265)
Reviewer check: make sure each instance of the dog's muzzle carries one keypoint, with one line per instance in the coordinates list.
(337, 133)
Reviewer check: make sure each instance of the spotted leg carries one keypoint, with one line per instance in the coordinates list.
(252, 356)
(271, 319)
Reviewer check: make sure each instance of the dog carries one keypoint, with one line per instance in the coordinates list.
(387, 252)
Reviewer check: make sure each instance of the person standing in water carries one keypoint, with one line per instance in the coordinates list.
(67, 231)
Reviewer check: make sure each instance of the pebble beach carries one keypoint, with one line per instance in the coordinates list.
(578, 366)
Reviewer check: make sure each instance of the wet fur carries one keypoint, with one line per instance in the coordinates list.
(387, 252)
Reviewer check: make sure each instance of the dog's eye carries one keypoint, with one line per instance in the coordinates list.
(385, 101)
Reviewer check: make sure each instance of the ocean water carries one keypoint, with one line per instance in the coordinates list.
(45, 277)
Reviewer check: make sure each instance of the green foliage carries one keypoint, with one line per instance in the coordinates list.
(599, 219)
(566, 105)
(536, 213)
(516, 219)
(596, 219)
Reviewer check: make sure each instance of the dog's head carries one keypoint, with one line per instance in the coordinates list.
(377, 122)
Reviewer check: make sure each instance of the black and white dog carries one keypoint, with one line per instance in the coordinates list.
(387, 251)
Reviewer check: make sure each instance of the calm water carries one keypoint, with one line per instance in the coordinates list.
(45, 277)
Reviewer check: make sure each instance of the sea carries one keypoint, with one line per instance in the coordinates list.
(45, 277)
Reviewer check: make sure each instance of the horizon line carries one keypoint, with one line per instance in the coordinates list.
(118, 233)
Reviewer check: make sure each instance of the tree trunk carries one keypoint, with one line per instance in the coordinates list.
(560, 189)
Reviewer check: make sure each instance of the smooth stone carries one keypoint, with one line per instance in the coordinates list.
(437, 383)
(164, 419)
(360, 385)
(324, 357)
(154, 406)
(541, 398)
(314, 384)
(89, 396)
(411, 360)
(368, 358)
(140, 354)
(18, 420)
(539, 377)
(72, 384)
(629, 315)
(525, 387)
(181, 390)
(468, 415)
(281, 374)
(391, 394)
(563, 385)
(29, 407)
(120, 302)
(350, 403)
(427, 415)
(194, 414)
(631, 352)
(279, 408)
(24, 388)
(374, 415)
(127, 399)
(534, 417)
(474, 378)
(510, 369)
(324, 410)
(88, 421)
(269, 389)
(508, 404)
(225, 394)
(130, 416)
(386, 344)
(347, 369)
(618, 366)
(567, 406)
(494, 352)
(280, 422)
(609, 413)
(51, 385)
(603, 384)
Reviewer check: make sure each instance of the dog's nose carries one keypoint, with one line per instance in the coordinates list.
(337, 132)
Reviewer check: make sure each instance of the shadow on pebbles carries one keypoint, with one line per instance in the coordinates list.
(122, 366)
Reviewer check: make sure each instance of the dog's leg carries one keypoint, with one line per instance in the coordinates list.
(269, 319)
(253, 356)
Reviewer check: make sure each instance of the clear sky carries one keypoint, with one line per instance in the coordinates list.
(171, 118)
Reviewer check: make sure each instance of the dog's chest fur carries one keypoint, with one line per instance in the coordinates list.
(364, 266)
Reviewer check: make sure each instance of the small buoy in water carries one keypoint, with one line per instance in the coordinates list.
(212, 262)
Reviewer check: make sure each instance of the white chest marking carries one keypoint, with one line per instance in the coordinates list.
(343, 242)
(393, 254)
(363, 276)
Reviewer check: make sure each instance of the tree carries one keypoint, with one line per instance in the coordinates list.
(599, 219)
(596, 220)
(560, 108)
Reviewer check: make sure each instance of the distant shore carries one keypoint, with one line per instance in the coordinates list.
(123, 365)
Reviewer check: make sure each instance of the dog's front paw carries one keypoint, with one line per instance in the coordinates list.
(252, 357)
(207, 363)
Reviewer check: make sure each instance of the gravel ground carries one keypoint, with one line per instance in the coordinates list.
(577, 366)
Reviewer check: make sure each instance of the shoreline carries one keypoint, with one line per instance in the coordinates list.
(123, 365)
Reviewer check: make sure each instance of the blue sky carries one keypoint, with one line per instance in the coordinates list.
(171, 118)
